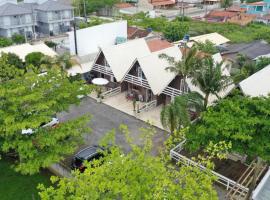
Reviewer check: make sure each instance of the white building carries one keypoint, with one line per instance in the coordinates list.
(257, 84)
(90, 39)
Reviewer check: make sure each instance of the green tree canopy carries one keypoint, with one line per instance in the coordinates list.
(210, 79)
(177, 115)
(175, 31)
(34, 59)
(135, 175)
(207, 47)
(242, 120)
(15, 60)
(9, 68)
(27, 102)
(96, 5)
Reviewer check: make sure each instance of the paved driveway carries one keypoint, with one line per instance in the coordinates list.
(106, 118)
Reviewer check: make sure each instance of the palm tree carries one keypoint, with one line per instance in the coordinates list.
(184, 67)
(176, 115)
(64, 61)
(210, 79)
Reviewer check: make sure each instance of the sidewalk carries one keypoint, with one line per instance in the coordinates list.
(120, 103)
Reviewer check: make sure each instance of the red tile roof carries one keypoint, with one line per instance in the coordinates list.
(134, 32)
(158, 44)
(162, 2)
(123, 5)
(217, 13)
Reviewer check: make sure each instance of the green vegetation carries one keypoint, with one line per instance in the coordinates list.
(8, 69)
(207, 47)
(19, 187)
(209, 79)
(93, 21)
(175, 31)
(176, 115)
(135, 175)
(27, 102)
(18, 39)
(244, 67)
(243, 121)
(34, 59)
(93, 5)
(234, 32)
(15, 39)
(5, 42)
(51, 44)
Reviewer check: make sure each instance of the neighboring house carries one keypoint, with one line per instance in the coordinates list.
(257, 8)
(53, 17)
(264, 19)
(15, 19)
(231, 16)
(257, 84)
(23, 49)
(251, 50)
(216, 38)
(162, 3)
(31, 16)
(135, 32)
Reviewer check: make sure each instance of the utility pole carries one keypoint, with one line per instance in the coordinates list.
(84, 9)
(75, 37)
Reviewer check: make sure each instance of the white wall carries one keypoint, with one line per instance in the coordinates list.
(89, 39)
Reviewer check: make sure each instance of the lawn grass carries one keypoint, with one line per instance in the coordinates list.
(14, 186)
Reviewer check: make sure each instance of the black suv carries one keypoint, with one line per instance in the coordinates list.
(87, 154)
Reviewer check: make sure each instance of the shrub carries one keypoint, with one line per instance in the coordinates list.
(5, 42)
(34, 59)
(18, 39)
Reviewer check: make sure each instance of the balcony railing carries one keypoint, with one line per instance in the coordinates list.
(137, 81)
(103, 69)
(59, 17)
(172, 92)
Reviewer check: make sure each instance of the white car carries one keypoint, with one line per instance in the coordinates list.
(52, 123)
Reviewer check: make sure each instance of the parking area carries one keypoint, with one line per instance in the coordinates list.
(106, 118)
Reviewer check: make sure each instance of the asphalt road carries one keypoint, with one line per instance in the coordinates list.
(106, 118)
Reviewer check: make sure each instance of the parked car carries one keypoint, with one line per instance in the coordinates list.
(54, 121)
(88, 154)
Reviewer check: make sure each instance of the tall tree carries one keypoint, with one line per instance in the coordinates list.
(8, 68)
(184, 67)
(135, 175)
(226, 3)
(242, 120)
(28, 101)
(210, 78)
(176, 115)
